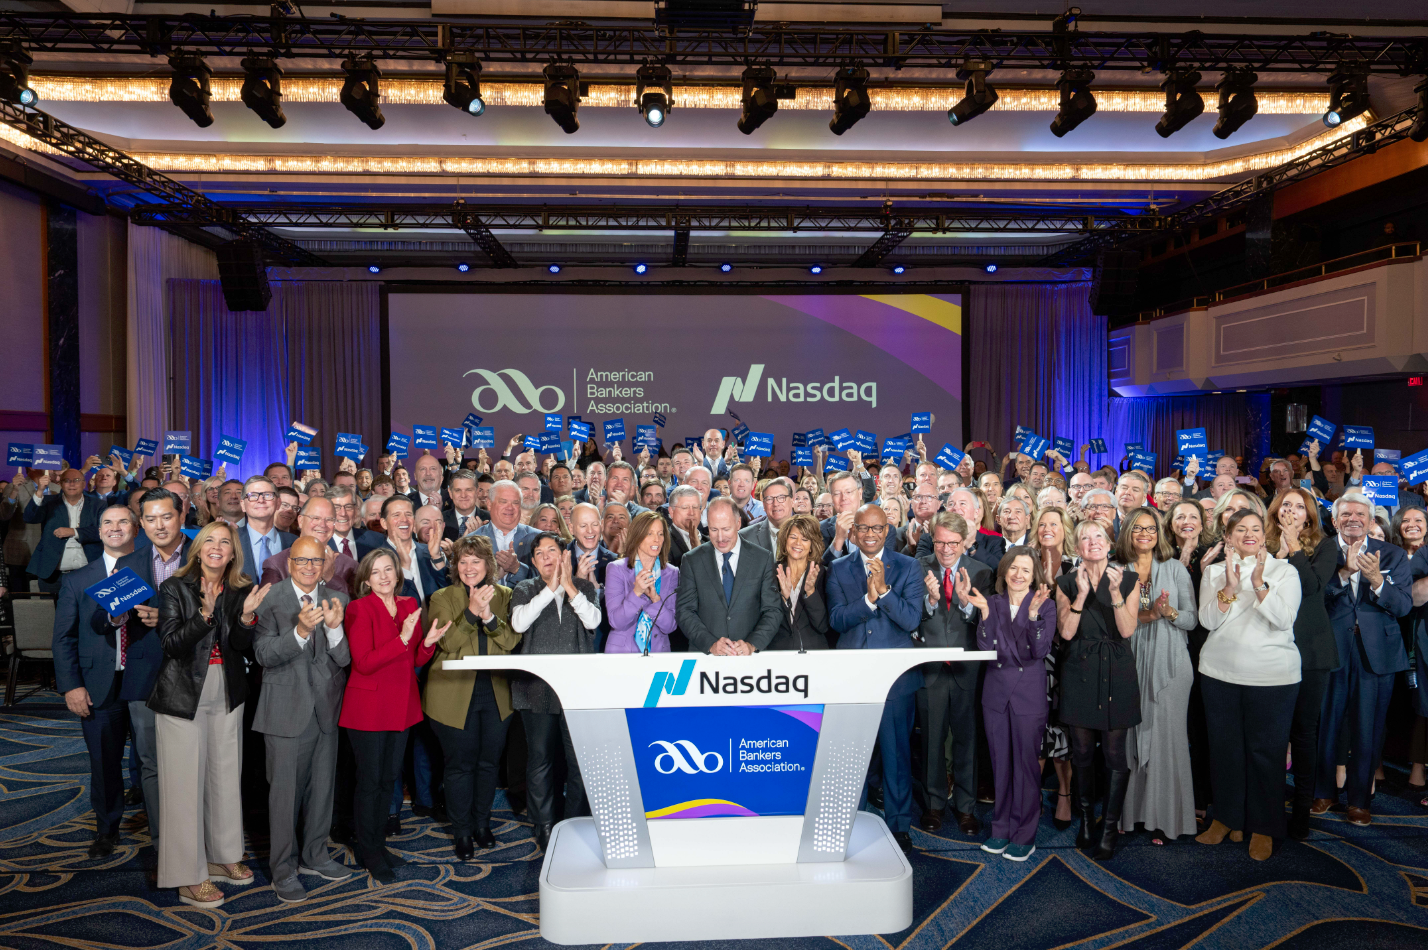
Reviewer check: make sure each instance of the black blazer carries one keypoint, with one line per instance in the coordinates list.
(187, 640)
(51, 512)
(1312, 633)
(453, 526)
(949, 627)
(807, 627)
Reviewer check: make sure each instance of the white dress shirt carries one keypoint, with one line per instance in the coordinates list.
(504, 539)
(73, 558)
(1354, 577)
(867, 569)
(334, 634)
(523, 616)
(931, 602)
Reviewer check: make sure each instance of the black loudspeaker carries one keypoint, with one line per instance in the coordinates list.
(244, 276)
(1113, 283)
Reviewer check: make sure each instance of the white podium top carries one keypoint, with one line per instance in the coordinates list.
(775, 678)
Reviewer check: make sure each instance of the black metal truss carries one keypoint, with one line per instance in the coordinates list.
(476, 229)
(587, 217)
(1366, 141)
(681, 243)
(530, 41)
(199, 210)
(882, 247)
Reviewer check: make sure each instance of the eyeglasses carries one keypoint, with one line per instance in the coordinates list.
(871, 528)
(946, 545)
(1144, 529)
(344, 507)
(306, 561)
(261, 495)
(287, 507)
(313, 519)
(1100, 507)
(924, 498)
(823, 506)
(770, 499)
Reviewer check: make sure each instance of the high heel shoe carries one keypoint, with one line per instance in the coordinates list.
(1061, 824)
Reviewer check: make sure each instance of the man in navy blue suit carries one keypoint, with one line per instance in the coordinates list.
(90, 661)
(69, 538)
(1367, 594)
(258, 537)
(875, 601)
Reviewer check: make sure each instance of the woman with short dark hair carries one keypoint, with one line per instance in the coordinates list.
(798, 552)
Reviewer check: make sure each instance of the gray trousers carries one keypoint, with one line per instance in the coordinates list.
(949, 714)
(200, 762)
(141, 724)
(301, 773)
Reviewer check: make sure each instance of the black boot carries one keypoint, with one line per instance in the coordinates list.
(1299, 817)
(542, 834)
(1111, 815)
(1083, 786)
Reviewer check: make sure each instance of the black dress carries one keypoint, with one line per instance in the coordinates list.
(1099, 689)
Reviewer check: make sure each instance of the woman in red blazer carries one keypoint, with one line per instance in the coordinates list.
(385, 636)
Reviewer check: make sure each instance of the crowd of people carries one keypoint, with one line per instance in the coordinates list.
(1171, 648)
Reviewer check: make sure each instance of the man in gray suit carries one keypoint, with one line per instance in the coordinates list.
(728, 604)
(778, 508)
(303, 650)
(510, 540)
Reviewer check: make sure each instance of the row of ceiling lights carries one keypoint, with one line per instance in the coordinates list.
(654, 97)
(642, 268)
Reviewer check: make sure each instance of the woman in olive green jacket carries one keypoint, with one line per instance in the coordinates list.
(469, 709)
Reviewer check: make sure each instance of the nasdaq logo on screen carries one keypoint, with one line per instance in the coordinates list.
(836, 389)
(724, 761)
(535, 400)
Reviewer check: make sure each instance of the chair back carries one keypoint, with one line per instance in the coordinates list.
(34, 624)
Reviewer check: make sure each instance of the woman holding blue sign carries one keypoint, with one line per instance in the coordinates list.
(640, 589)
(207, 612)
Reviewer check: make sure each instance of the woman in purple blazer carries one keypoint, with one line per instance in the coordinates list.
(1019, 623)
(640, 589)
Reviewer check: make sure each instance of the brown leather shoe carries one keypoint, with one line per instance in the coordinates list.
(1213, 834)
(931, 820)
(1320, 805)
(1261, 847)
(969, 824)
(1359, 816)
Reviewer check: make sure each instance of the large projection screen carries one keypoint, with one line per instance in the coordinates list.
(783, 363)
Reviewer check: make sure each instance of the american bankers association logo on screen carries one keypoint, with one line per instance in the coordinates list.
(535, 400)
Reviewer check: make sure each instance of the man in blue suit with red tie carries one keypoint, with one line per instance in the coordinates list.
(1371, 589)
(875, 603)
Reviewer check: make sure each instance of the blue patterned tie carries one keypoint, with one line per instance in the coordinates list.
(262, 552)
(728, 578)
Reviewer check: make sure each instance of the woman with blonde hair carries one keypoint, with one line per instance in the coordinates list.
(207, 612)
(548, 517)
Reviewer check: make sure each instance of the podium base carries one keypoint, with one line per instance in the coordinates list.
(584, 902)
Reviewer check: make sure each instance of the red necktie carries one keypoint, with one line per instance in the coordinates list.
(346, 548)
(947, 586)
(121, 636)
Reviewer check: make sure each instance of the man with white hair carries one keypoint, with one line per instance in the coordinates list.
(1051, 497)
(510, 539)
(1167, 492)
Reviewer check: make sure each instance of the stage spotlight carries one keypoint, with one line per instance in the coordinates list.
(463, 267)
(654, 104)
(1418, 131)
(361, 92)
(463, 83)
(562, 96)
(760, 98)
(189, 88)
(850, 98)
(816, 269)
(898, 269)
(553, 268)
(1237, 103)
(977, 97)
(990, 268)
(15, 76)
(726, 267)
(1348, 93)
(263, 90)
(641, 268)
(1183, 103)
(373, 269)
(1077, 102)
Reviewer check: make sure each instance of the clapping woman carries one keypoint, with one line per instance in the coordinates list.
(1019, 624)
(640, 590)
(798, 551)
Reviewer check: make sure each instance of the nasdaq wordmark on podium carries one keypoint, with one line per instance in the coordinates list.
(724, 761)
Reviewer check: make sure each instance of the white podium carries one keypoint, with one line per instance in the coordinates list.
(724, 793)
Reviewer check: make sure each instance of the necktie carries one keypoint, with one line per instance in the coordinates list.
(262, 553)
(947, 586)
(346, 548)
(728, 578)
(121, 636)
(306, 603)
(462, 521)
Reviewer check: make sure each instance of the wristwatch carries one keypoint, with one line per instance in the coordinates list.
(1262, 587)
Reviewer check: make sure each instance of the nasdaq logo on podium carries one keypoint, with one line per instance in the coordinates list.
(724, 761)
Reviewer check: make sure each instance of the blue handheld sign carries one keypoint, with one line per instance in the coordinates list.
(1134, 447)
(1321, 429)
(120, 591)
(842, 439)
(660, 420)
(455, 438)
(1194, 442)
(1415, 467)
(146, 447)
(1098, 446)
(177, 443)
(647, 436)
(836, 463)
(1065, 446)
(471, 421)
(424, 437)
(799, 440)
(553, 422)
(483, 437)
(301, 434)
(349, 446)
(230, 449)
(815, 438)
(802, 455)
(309, 459)
(760, 444)
(49, 457)
(1381, 489)
(399, 444)
(614, 430)
(579, 429)
(692, 442)
(921, 422)
(191, 467)
(125, 455)
(1034, 445)
(740, 431)
(866, 442)
(20, 454)
(533, 441)
(950, 456)
(550, 442)
(1358, 437)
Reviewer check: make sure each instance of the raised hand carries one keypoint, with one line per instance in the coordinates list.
(1210, 556)
(210, 597)
(1161, 607)
(962, 586)
(1114, 575)
(586, 569)
(435, 632)
(698, 454)
(810, 580)
(1232, 575)
(1187, 550)
(480, 600)
(1039, 598)
(332, 613)
(148, 616)
(1083, 582)
(1368, 565)
(409, 627)
(254, 598)
(1257, 575)
(979, 600)
(785, 581)
(308, 619)
(934, 589)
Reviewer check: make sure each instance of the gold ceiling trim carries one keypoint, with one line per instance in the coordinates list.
(530, 94)
(589, 167)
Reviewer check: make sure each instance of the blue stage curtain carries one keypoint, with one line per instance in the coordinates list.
(1038, 359)
(313, 356)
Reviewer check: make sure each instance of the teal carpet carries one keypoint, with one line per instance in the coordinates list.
(1345, 887)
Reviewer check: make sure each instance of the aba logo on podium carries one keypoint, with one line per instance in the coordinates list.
(674, 755)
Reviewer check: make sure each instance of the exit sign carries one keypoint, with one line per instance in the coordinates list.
(1415, 380)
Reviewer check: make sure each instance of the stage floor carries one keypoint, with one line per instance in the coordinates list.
(1346, 886)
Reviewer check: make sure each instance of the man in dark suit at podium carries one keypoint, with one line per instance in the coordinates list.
(875, 602)
(728, 604)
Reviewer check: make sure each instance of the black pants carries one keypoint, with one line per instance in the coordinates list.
(104, 730)
(473, 757)
(1113, 747)
(547, 736)
(378, 757)
(1249, 729)
(1304, 732)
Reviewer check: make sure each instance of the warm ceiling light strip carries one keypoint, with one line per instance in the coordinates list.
(818, 99)
(579, 167)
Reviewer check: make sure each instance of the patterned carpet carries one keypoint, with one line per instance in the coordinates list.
(1346, 886)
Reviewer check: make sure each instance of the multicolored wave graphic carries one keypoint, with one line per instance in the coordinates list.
(703, 808)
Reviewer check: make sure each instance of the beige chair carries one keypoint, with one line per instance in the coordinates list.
(34, 636)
